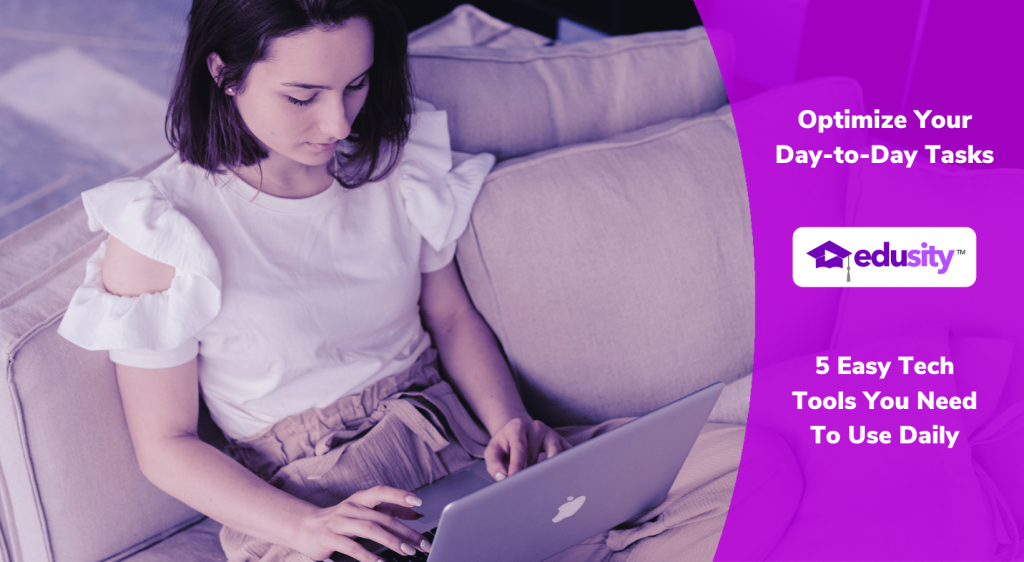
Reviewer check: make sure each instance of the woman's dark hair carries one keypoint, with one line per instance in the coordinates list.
(203, 123)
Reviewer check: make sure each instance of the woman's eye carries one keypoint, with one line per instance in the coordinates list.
(301, 102)
(359, 86)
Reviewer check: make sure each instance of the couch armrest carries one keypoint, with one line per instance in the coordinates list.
(70, 487)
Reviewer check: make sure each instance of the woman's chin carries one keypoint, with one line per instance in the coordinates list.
(308, 156)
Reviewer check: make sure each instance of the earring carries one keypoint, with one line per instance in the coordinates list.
(230, 91)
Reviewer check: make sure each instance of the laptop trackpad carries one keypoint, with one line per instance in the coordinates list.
(439, 494)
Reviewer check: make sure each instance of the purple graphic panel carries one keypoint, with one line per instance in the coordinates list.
(885, 424)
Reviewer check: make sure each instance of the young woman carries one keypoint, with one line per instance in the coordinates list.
(285, 262)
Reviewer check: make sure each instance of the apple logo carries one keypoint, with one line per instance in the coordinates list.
(569, 508)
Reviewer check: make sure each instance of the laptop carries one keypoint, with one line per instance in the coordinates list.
(560, 502)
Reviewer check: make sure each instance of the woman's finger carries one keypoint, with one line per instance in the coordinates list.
(517, 449)
(494, 458)
(377, 495)
(536, 441)
(552, 444)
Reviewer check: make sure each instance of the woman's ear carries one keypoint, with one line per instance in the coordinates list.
(216, 67)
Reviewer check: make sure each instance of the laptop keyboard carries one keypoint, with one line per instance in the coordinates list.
(391, 556)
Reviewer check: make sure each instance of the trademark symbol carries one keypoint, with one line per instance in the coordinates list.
(961, 252)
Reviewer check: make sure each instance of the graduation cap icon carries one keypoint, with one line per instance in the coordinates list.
(829, 254)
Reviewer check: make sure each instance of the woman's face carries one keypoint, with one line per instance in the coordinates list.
(301, 100)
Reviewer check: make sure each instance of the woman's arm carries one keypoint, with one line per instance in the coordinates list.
(477, 368)
(162, 410)
(174, 459)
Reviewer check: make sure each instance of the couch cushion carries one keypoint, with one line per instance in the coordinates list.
(618, 275)
(512, 102)
(469, 26)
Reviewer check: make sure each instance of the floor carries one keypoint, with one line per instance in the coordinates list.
(83, 91)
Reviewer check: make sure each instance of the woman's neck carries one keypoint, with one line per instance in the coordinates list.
(288, 180)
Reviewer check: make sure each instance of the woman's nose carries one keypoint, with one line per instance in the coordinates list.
(335, 123)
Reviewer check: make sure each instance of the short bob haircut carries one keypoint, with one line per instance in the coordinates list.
(204, 125)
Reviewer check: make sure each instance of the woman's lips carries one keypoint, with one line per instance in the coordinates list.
(319, 147)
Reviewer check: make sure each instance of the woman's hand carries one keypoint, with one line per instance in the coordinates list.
(519, 444)
(332, 529)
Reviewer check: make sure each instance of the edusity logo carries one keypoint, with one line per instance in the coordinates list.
(831, 254)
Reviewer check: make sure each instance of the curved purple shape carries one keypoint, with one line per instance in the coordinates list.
(800, 500)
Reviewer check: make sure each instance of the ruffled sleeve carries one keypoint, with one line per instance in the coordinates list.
(152, 330)
(438, 198)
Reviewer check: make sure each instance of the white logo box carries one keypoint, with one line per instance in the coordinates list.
(962, 269)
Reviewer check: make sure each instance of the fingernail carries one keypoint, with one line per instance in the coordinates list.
(499, 476)
(408, 549)
(414, 501)
(425, 545)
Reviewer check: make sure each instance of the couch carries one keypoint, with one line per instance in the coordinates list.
(610, 251)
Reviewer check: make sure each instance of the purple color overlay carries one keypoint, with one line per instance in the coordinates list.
(799, 500)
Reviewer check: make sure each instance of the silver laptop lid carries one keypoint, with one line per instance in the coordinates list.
(577, 494)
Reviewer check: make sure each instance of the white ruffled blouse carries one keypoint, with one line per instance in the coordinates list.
(288, 303)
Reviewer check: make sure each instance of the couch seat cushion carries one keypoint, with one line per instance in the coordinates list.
(198, 543)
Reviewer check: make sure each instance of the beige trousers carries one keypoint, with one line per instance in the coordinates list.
(410, 429)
